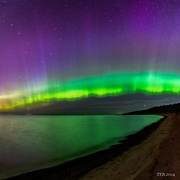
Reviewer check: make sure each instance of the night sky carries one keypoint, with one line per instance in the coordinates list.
(71, 50)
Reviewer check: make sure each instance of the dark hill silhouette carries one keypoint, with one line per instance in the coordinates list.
(172, 108)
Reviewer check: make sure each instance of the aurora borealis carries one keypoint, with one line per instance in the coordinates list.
(56, 50)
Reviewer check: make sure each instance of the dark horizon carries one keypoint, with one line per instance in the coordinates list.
(99, 106)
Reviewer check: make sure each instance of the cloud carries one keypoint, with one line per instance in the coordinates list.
(107, 105)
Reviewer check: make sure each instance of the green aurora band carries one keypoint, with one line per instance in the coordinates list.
(99, 86)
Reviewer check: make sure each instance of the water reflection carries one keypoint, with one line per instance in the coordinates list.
(32, 142)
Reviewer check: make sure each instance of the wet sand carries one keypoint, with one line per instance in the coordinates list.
(157, 157)
(132, 159)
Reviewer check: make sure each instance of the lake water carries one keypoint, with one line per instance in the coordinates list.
(32, 142)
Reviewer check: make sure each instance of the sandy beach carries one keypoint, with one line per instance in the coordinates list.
(140, 156)
(157, 157)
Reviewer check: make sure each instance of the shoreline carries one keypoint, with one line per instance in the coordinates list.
(143, 161)
(77, 168)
